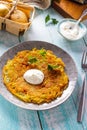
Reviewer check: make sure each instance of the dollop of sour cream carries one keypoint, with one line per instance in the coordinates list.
(34, 76)
(70, 31)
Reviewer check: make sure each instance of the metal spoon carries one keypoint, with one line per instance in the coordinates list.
(75, 28)
(84, 13)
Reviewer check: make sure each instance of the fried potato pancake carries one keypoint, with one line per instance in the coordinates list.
(55, 78)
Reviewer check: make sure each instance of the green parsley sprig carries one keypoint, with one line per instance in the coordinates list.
(48, 20)
(32, 60)
(52, 67)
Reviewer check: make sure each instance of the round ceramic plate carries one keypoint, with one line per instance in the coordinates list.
(70, 70)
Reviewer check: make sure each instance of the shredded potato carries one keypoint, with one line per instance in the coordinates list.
(55, 80)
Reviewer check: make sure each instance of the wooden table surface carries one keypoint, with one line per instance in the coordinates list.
(63, 117)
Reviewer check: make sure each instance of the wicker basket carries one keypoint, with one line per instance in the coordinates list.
(16, 27)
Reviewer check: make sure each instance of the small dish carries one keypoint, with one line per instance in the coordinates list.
(71, 34)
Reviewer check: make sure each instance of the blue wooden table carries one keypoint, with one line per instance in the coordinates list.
(63, 117)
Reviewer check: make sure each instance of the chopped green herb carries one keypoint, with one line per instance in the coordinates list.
(52, 67)
(32, 60)
(42, 52)
(47, 18)
(54, 21)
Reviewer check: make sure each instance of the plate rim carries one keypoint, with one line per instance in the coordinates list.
(38, 107)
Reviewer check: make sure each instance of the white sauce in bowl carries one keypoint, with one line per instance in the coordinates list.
(34, 76)
(76, 32)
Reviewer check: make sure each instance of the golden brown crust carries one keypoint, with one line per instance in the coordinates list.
(55, 81)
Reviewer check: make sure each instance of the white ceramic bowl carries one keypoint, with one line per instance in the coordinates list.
(82, 30)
